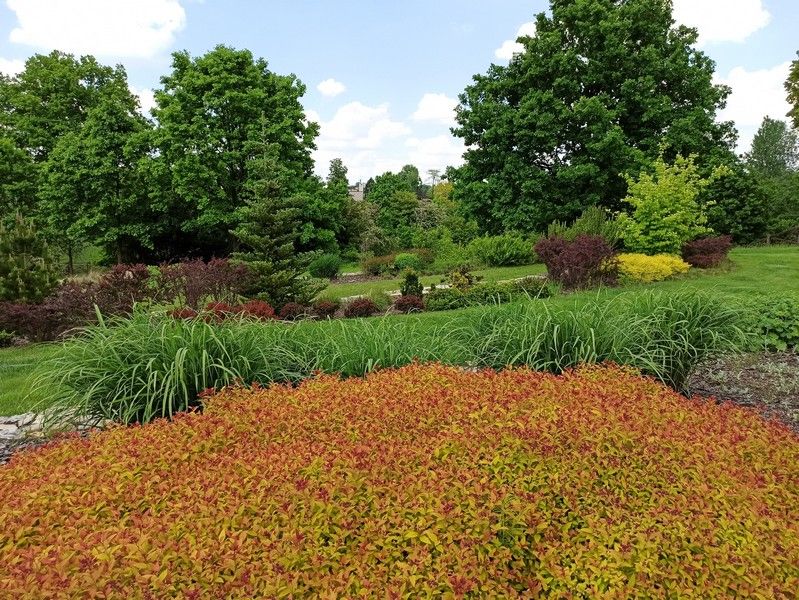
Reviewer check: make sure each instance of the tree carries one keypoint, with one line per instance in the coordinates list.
(93, 189)
(17, 181)
(51, 97)
(269, 230)
(666, 212)
(775, 149)
(792, 87)
(597, 92)
(736, 205)
(213, 113)
(27, 271)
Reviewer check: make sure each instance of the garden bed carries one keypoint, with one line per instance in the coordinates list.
(423, 481)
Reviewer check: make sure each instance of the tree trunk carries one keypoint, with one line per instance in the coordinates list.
(70, 261)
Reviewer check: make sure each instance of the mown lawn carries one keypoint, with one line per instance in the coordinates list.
(754, 271)
(345, 290)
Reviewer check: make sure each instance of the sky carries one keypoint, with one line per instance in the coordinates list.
(382, 76)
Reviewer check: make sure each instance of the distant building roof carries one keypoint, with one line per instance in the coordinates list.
(356, 192)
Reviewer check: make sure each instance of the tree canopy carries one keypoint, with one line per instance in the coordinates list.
(599, 89)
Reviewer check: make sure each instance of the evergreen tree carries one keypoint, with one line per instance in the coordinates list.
(269, 231)
(27, 271)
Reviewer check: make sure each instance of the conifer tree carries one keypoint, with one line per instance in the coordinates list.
(27, 271)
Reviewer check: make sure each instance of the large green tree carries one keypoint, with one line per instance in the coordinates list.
(600, 88)
(213, 112)
(775, 149)
(792, 87)
(93, 189)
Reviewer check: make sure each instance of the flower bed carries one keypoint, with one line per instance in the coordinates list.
(427, 481)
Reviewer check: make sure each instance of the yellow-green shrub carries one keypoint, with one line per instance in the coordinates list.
(646, 269)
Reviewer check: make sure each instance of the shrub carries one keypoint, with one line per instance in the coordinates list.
(426, 255)
(293, 311)
(406, 261)
(461, 278)
(587, 261)
(6, 339)
(326, 308)
(707, 252)
(218, 311)
(409, 304)
(593, 221)
(646, 269)
(502, 250)
(195, 281)
(326, 266)
(361, 307)
(504, 484)
(378, 265)
(490, 293)
(257, 309)
(411, 286)
(184, 313)
(533, 287)
(27, 270)
(445, 299)
(666, 211)
(122, 287)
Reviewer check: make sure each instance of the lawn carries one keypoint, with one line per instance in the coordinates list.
(345, 290)
(764, 271)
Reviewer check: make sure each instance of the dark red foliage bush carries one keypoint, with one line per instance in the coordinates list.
(191, 282)
(257, 309)
(292, 311)
(409, 304)
(361, 307)
(587, 261)
(326, 309)
(708, 252)
(218, 311)
(185, 313)
(122, 287)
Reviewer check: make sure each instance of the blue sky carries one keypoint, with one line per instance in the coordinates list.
(382, 76)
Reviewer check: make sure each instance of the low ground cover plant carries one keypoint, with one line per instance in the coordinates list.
(642, 268)
(145, 367)
(427, 481)
(773, 321)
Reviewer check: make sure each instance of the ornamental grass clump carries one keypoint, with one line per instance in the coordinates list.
(423, 482)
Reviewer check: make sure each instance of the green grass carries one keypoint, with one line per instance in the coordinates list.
(345, 290)
(16, 368)
(754, 271)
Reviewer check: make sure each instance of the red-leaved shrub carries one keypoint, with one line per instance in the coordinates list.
(708, 252)
(122, 287)
(194, 281)
(257, 309)
(326, 309)
(218, 311)
(293, 311)
(361, 307)
(587, 261)
(185, 313)
(408, 304)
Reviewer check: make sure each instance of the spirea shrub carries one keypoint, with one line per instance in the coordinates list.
(423, 482)
(588, 260)
(708, 252)
(647, 269)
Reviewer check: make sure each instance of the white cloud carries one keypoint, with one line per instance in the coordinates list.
(435, 152)
(12, 66)
(330, 88)
(118, 28)
(146, 98)
(755, 94)
(722, 20)
(365, 137)
(511, 47)
(436, 107)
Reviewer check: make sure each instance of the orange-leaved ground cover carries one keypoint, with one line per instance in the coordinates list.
(426, 481)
